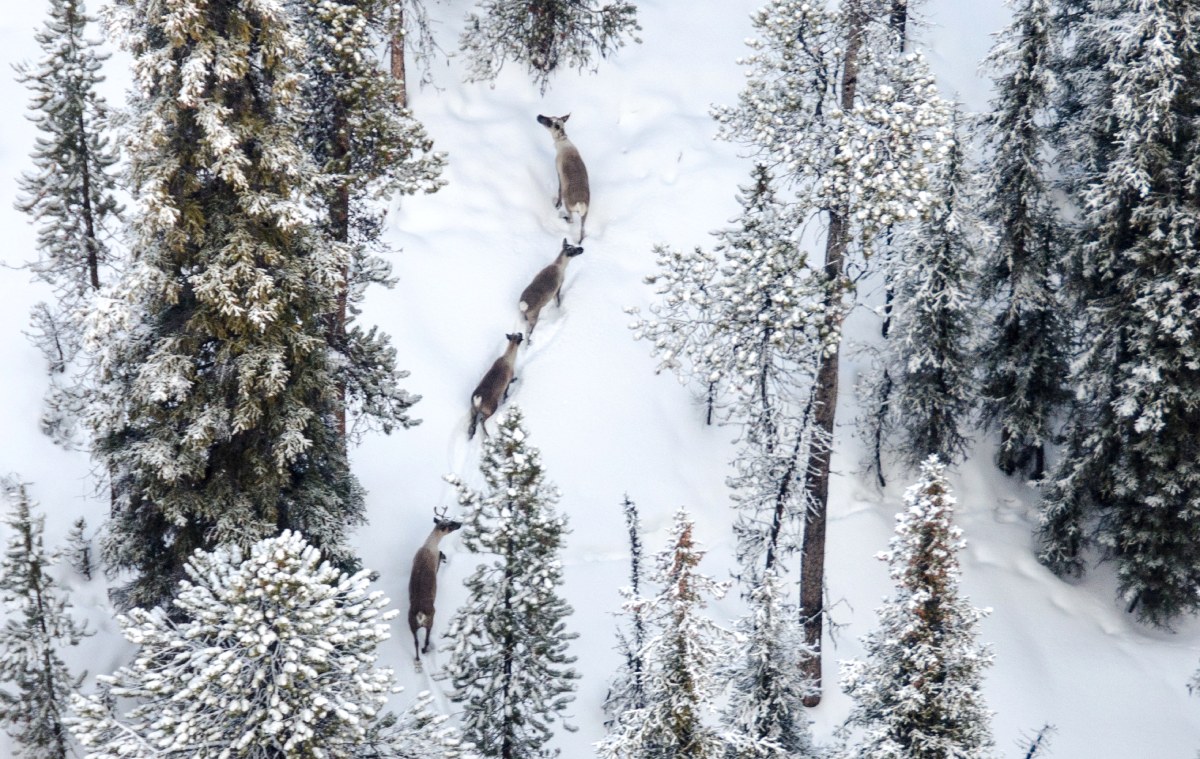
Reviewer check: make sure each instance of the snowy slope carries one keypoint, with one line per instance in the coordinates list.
(1065, 654)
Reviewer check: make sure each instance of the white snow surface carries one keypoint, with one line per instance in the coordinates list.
(1066, 653)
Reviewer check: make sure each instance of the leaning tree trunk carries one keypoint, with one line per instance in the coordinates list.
(812, 562)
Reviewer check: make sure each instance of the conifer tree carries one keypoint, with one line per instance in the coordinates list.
(742, 323)
(744, 319)
(1024, 354)
(217, 420)
(1129, 479)
(765, 716)
(917, 694)
(70, 195)
(510, 666)
(274, 656)
(857, 131)
(79, 549)
(545, 36)
(682, 655)
(628, 688)
(37, 684)
(366, 147)
(930, 353)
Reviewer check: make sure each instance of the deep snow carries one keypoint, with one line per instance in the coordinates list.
(606, 425)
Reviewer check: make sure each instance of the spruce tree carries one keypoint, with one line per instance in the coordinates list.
(628, 687)
(742, 324)
(765, 717)
(274, 657)
(33, 703)
(510, 666)
(366, 147)
(917, 694)
(682, 655)
(1129, 479)
(545, 36)
(70, 196)
(1024, 354)
(857, 132)
(930, 353)
(745, 320)
(79, 549)
(217, 419)
(873, 422)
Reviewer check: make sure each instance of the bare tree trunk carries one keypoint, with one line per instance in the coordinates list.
(812, 562)
(396, 50)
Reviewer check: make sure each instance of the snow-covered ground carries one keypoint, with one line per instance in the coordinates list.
(1065, 653)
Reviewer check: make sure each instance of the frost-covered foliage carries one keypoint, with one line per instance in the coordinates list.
(1129, 481)
(1024, 354)
(874, 159)
(70, 197)
(741, 323)
(918, 693)
(545, 35)
(930, 353)
(510, 667)
(855, 130)
(738, 322)
(270, 654)
(36, 683)
(79, 549)
(366, 147)
(765, 717)
(683, 652)
(628, 687)
(217, 418)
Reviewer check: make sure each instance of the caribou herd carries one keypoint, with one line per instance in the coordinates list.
(574, 196)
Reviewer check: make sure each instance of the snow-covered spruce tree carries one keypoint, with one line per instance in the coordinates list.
(545, 36)
(628, 687)
(1024, 354)
(1129, 480)
(918, 693)
(683, 652)
(873, 422)
(69, 195)
(856, 130)
(510, 666)
(273, 656)
(740, 323)
(750, 331)
(366, 148)
(765, 716)
(79, 549)
(217, 418)
(36, 683)
(682, 326)
(930, 353)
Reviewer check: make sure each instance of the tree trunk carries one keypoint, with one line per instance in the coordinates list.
(396, 50)
(89, 221)
(812, 562)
